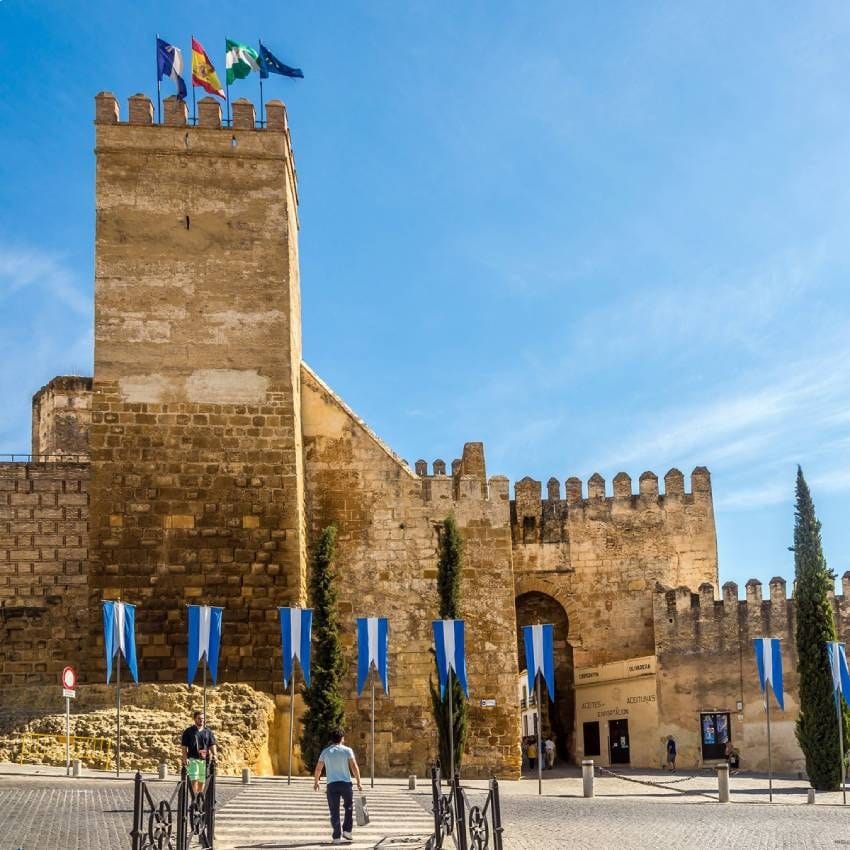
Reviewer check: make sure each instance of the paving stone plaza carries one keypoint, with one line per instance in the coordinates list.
(40, 809)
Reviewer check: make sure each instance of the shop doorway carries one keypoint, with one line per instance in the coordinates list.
(618, 741)
(591, 739)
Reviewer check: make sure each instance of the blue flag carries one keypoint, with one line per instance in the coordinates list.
(540, 656)
(840, 673)
(169, 63)
(769, 661)
(295, 627)
(119, 635)
(448, 643)
(372, 647)
(204, 639)
(270, 64)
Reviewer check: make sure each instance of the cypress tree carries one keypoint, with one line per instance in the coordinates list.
(449, 569)
(325, 708)
(817, 725)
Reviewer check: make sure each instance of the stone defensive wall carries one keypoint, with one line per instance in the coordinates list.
(706, 658)
(44, 600)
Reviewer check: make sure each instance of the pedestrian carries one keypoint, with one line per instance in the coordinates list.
(732, 756)
(671, 753)
(199, 748)
(524, 752)
(549, 752)
(532, 754)
(339, 763)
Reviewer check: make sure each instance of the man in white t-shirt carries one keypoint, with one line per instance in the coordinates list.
(339, 763)
(549, 751)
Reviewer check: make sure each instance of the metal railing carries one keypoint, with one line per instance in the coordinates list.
(471, 827)
(38, 747)
(184, 820)
(23, 457)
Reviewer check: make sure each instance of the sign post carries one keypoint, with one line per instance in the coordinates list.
(69, 683)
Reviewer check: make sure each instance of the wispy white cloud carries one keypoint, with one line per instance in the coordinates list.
(21, 269)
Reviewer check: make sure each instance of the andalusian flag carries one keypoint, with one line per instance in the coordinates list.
(203, 73)
(240, 60)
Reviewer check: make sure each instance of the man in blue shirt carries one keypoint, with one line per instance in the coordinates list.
(339, 764)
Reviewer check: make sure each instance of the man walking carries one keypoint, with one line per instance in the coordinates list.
(339, 763)
(549, 752)
(198, 744)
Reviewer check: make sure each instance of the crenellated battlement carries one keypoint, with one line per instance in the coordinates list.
(467, 482)
(269, 137)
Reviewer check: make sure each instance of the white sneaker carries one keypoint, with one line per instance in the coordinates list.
(337, 841)
(347, 836)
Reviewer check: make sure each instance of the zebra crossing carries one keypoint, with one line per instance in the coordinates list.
(271, 815)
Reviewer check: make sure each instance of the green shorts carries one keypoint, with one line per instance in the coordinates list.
(196, 770)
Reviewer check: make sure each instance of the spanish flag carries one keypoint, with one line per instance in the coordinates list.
(203, 73)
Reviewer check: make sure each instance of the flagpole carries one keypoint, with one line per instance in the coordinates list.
(262, 121)
(372, 783)
(769, 754)
(841, 748)
(118, 706)
(192, 78)
(227, 89)
(451, 732)
(158, 83)
(539, 734)
(291, 720)
(205, 689)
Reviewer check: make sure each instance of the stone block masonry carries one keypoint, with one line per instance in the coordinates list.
(197, 483)
(43, 569)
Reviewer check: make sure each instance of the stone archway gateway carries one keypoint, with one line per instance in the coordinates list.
(532, 607)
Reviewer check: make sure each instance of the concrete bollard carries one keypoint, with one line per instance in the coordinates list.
(723, 783)
(587, 777)
(411, 782)
(162, 770)
(76, 767)
(246, 775)
(810, 799)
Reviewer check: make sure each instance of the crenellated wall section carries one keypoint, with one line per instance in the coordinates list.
(601, 555)
(706, 662)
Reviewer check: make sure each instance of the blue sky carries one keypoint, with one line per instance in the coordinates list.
(595, 236)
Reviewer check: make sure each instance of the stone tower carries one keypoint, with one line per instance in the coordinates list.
(196, 456)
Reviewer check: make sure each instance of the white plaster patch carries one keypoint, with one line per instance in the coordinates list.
(145, 388)
(226, 386)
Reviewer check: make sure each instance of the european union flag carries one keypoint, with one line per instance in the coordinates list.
(270, 64)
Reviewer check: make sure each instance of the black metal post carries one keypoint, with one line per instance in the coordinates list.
(460, 816)
(209, 808)
(435, 804)
(183, 812)
(496, 813)
(138, 812)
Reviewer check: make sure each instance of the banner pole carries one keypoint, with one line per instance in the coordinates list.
(539, 735)
(205, 689)
(192, 81)
(451, 731)
(260, 75)
(118, 706)
(291, 720)
(158, 90)
(841, 745)
(372, 783)
(769, 753)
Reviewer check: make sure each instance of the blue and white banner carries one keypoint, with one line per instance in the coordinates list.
(769, 661)
(295, 628)
(840, 673)
(169, 63)
(540, 656)
(119, 635)
(204, 639)
(373, 641)
(449, 646)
